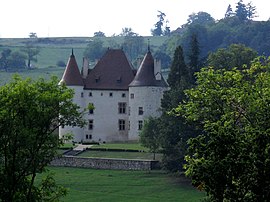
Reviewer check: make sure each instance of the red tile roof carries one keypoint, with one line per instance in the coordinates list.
(112, 72)
(72, 75)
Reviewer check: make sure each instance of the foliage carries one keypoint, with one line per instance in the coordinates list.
(236, 55)
(99, 34)
(173, 131)
(230, 158)
(127, 31)
(29, 115)
(201, 18)
(94, 49)
(149, 136)
(31, 52)
(159, 29)
(133, 46)
(12, 60)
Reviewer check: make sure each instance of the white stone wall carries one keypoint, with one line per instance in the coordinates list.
(76, 131)
(106, 116)
(149, 98)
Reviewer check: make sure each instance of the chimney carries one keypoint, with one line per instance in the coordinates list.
(157, 69)
(85, 67)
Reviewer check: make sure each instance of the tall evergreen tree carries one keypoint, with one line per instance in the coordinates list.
(194, 55)
(173, 131)
(179, 72)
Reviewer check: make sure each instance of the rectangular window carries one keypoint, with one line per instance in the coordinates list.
(122, 107)
(111, 94)
(140, 110)
(88, 137)
(123, 94)
(131, 96)
(140, 125)
(90, 94)
(81, 94)
(121, 124)
(91, 124)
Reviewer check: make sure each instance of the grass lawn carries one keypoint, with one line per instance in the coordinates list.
(124, 155)
(88, 185)
(126, 145)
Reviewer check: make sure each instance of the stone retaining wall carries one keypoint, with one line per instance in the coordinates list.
(103, 163)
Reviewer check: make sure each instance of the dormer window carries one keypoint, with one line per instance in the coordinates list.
(119, 79)
(97, 79)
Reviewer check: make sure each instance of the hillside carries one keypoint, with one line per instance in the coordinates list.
(53, 50)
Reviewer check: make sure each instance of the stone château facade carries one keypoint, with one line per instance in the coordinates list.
(122, 98)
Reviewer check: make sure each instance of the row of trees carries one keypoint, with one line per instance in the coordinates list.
(216, 129)
(22, 59)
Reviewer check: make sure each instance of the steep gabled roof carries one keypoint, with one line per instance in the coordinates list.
(146, 75)
(112, 72)
(72, 75)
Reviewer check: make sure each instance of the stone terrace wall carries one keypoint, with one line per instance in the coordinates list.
(103, 163)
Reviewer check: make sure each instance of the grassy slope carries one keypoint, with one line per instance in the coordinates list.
(87, 185)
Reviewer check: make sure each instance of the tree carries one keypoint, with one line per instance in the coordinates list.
(229, 12)
(30, 112)
(158, 30)
(173, 130)
(230, 159)
(241, 11)
(128, 32)
(149, 136)
(194, 55)
(133, 46)
(99, 34)
(179, 72)
(94, 49)
(31, 52)
(201, 18)
(4, 62)
(236, 55)
(251, 11)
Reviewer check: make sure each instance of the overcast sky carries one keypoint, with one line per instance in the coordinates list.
(56, 18)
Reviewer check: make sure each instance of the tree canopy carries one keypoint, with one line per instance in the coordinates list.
(230, 158)
(30, 112)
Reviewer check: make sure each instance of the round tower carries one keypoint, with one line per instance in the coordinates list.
(73, 79)
(145, 93)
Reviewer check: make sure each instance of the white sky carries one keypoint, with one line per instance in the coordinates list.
(56, 18)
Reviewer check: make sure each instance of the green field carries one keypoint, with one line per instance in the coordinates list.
(88, 185)
(126, 145)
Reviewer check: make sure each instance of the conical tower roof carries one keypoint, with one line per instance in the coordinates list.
(72, 75)
(146, 75)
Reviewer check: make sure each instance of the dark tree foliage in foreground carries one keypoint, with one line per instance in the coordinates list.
(230, 159)
(29, 115)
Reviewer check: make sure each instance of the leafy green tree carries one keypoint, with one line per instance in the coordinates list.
(149, 136)
(30, 111)
(99, 34)
(31, 52)
(94, 49)
(128, 32)
(241, 11)
(17, 60)
(133, 46)
(4, 60)
(201, 18)
(236, 55)
(230, 159)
